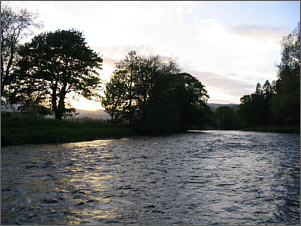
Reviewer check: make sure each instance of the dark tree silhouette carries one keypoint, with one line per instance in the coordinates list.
(225, 118)
(286, 104)
(277, 103)
(254, 109)
(153, 96)
(54, 64)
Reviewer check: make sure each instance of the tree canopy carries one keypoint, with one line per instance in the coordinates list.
(52, 65)
(154, 96)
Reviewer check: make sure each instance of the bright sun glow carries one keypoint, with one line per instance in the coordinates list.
(85, 104)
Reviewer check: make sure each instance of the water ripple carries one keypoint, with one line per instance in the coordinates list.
(211, 177)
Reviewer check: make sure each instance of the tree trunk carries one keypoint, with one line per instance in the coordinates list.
(55, 107)
(59, 112)
(131, 78)
(61, 106)
(2, 76)
(53, 100)
(5, 75)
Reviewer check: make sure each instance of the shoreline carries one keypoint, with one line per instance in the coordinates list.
(273, 129)
(22, 131)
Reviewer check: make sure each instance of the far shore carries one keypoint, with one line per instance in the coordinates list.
(271, 129)
(20, 131)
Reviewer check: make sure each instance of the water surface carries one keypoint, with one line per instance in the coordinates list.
(209, 177)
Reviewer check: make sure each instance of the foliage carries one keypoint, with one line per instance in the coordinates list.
(18, 131)
(115, 96)
(154, 97)
(286, 104)
(52, 65)
(277, 103)
(254, 109)
(225, 118)
(15, 26)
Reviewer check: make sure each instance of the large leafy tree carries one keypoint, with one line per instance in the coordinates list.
(132, 80)
(15, 26)
(153, 96)
(54, 64)
(191, 98)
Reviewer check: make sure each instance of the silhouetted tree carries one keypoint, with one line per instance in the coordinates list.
(279, 103)
(115, 99)
(286, 103)
(225, 118)
(15, 26)
(254, 109)
(154, 96)
(178, 101)
(192, 97)
(54, 64)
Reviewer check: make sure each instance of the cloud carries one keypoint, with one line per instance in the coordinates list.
(113, 54)
(262, 33)
(110, 61)
(225, 88)
(219, 81)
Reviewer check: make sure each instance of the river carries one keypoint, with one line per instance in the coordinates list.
(198, 177)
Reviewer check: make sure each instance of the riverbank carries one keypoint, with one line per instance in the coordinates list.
(19, 131)
(295, 129)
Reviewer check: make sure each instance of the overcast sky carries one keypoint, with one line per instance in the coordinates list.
(228, 46)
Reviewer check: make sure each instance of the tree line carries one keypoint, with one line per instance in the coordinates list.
(272, 104)
(151, 94)
(277, 103)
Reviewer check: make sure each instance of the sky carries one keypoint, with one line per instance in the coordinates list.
(228, 46)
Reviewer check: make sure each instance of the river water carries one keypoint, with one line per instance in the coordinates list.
(200, 177)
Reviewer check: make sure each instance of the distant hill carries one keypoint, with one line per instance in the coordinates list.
(213, 107)
(101, 114)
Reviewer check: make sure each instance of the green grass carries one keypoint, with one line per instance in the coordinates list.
(272, 129)
(18, 131)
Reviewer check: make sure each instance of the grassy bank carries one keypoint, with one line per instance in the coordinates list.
(18, 131)
(274, 129)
